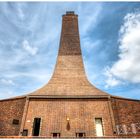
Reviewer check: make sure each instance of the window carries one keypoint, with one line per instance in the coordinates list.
(15, 121)
(80, 135)
(25, 132)
(99, 126)
(36, 126)
(56, 135)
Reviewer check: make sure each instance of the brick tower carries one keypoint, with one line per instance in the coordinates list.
(69, 106)
(69, 76)
(68, 88)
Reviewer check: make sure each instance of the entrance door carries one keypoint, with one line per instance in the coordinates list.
(36, 126)
(99, 127)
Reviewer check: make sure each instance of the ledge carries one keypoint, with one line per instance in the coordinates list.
(68, 97)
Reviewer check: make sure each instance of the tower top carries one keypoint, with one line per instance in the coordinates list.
(70, 41)
(70, 13)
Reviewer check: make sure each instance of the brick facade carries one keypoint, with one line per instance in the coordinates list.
(126, 115)
(126, 111)
(9, 110)
(81, 114)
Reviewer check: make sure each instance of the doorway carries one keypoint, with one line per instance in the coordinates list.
(99, 127)
(36, 126)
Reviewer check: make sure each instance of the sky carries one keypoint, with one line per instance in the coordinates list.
(109, 36)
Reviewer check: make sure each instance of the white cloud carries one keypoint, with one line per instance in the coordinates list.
(30, 49)
(127, 68)
(7, 81)
(111, 80)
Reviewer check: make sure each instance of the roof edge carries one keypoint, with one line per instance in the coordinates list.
(123, 98)
(13, 98)
(69, 96)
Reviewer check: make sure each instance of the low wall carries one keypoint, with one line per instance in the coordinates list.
(126, 116)
(9, 110)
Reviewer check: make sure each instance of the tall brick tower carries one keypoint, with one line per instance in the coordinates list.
(69, 106)
(69, 91)
(69, 76)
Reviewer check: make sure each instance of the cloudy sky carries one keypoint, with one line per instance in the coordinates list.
(110, 43)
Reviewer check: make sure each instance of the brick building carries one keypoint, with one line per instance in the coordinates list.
(69, 106)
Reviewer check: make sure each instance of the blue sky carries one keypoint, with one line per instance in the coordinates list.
(110, 43)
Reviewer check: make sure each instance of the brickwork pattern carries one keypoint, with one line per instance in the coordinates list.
(69, 76)
(82, 114)
(126, 111)
(126, 116)
(9, 110)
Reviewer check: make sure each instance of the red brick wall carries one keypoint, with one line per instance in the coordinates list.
(126, 111)
(9, 110)
(81, 113)
(54, 112)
